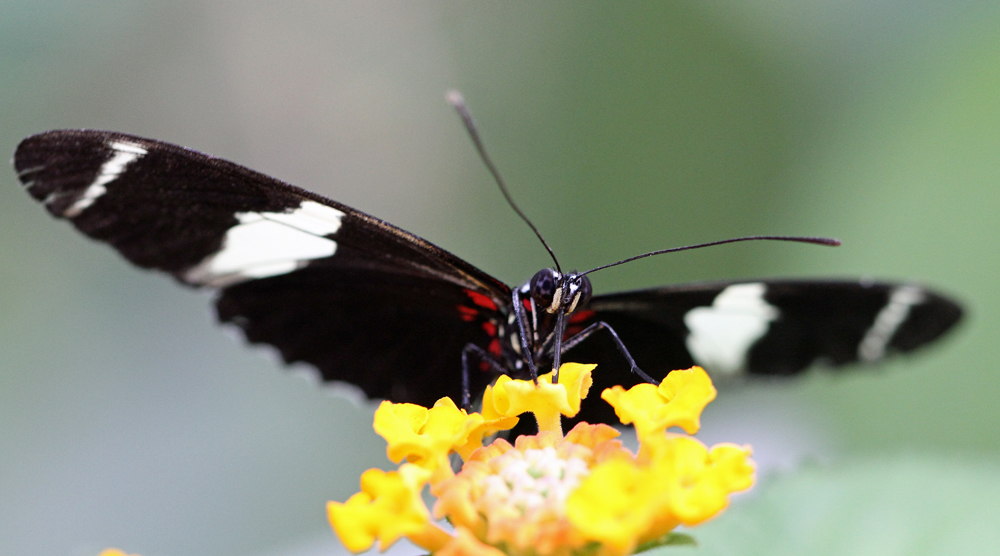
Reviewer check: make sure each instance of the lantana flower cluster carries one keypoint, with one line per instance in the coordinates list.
(550, 493)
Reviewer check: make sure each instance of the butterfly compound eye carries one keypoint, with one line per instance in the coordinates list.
(543, 287)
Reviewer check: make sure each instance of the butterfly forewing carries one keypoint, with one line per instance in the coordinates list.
(773, 327)
(767, 327)
(362, 300)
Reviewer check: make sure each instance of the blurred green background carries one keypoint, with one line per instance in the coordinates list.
(127, 418)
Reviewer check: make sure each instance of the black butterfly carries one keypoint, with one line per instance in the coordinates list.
(373, 305)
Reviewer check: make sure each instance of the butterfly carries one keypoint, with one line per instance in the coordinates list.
(367, 303)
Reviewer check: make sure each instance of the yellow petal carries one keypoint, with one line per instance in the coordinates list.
(466, 544)
(388, 507)
(635, 406)
(733, 466)
(677, 402)
(687, 393)
(398, 422)
(615, 505)
(454, 501)
(577, 378)
(546, 400)
(592, 436)
(497, 394)
(493, 422)
(699, 483)
(424, 436)
(495, 407)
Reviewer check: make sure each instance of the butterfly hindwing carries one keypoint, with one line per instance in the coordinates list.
(397, 337)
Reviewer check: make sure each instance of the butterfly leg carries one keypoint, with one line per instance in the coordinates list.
(522, 330)
(557, 352)
(484, 357)
(586, 332)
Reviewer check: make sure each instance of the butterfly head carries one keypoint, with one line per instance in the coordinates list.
(555, 291)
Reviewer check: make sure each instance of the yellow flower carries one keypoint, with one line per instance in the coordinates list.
(114, 552)
(547, 494)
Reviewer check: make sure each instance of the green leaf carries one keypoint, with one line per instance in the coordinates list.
(670, 539)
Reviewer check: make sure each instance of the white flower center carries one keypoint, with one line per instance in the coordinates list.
(532, 480)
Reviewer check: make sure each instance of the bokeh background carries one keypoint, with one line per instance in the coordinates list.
(127, 418)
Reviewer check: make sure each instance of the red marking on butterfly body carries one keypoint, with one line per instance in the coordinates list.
(577, 322)
(578, 317)
(494, 347)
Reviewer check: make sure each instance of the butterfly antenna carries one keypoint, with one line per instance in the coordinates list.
(814, 240)
(458, 102)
